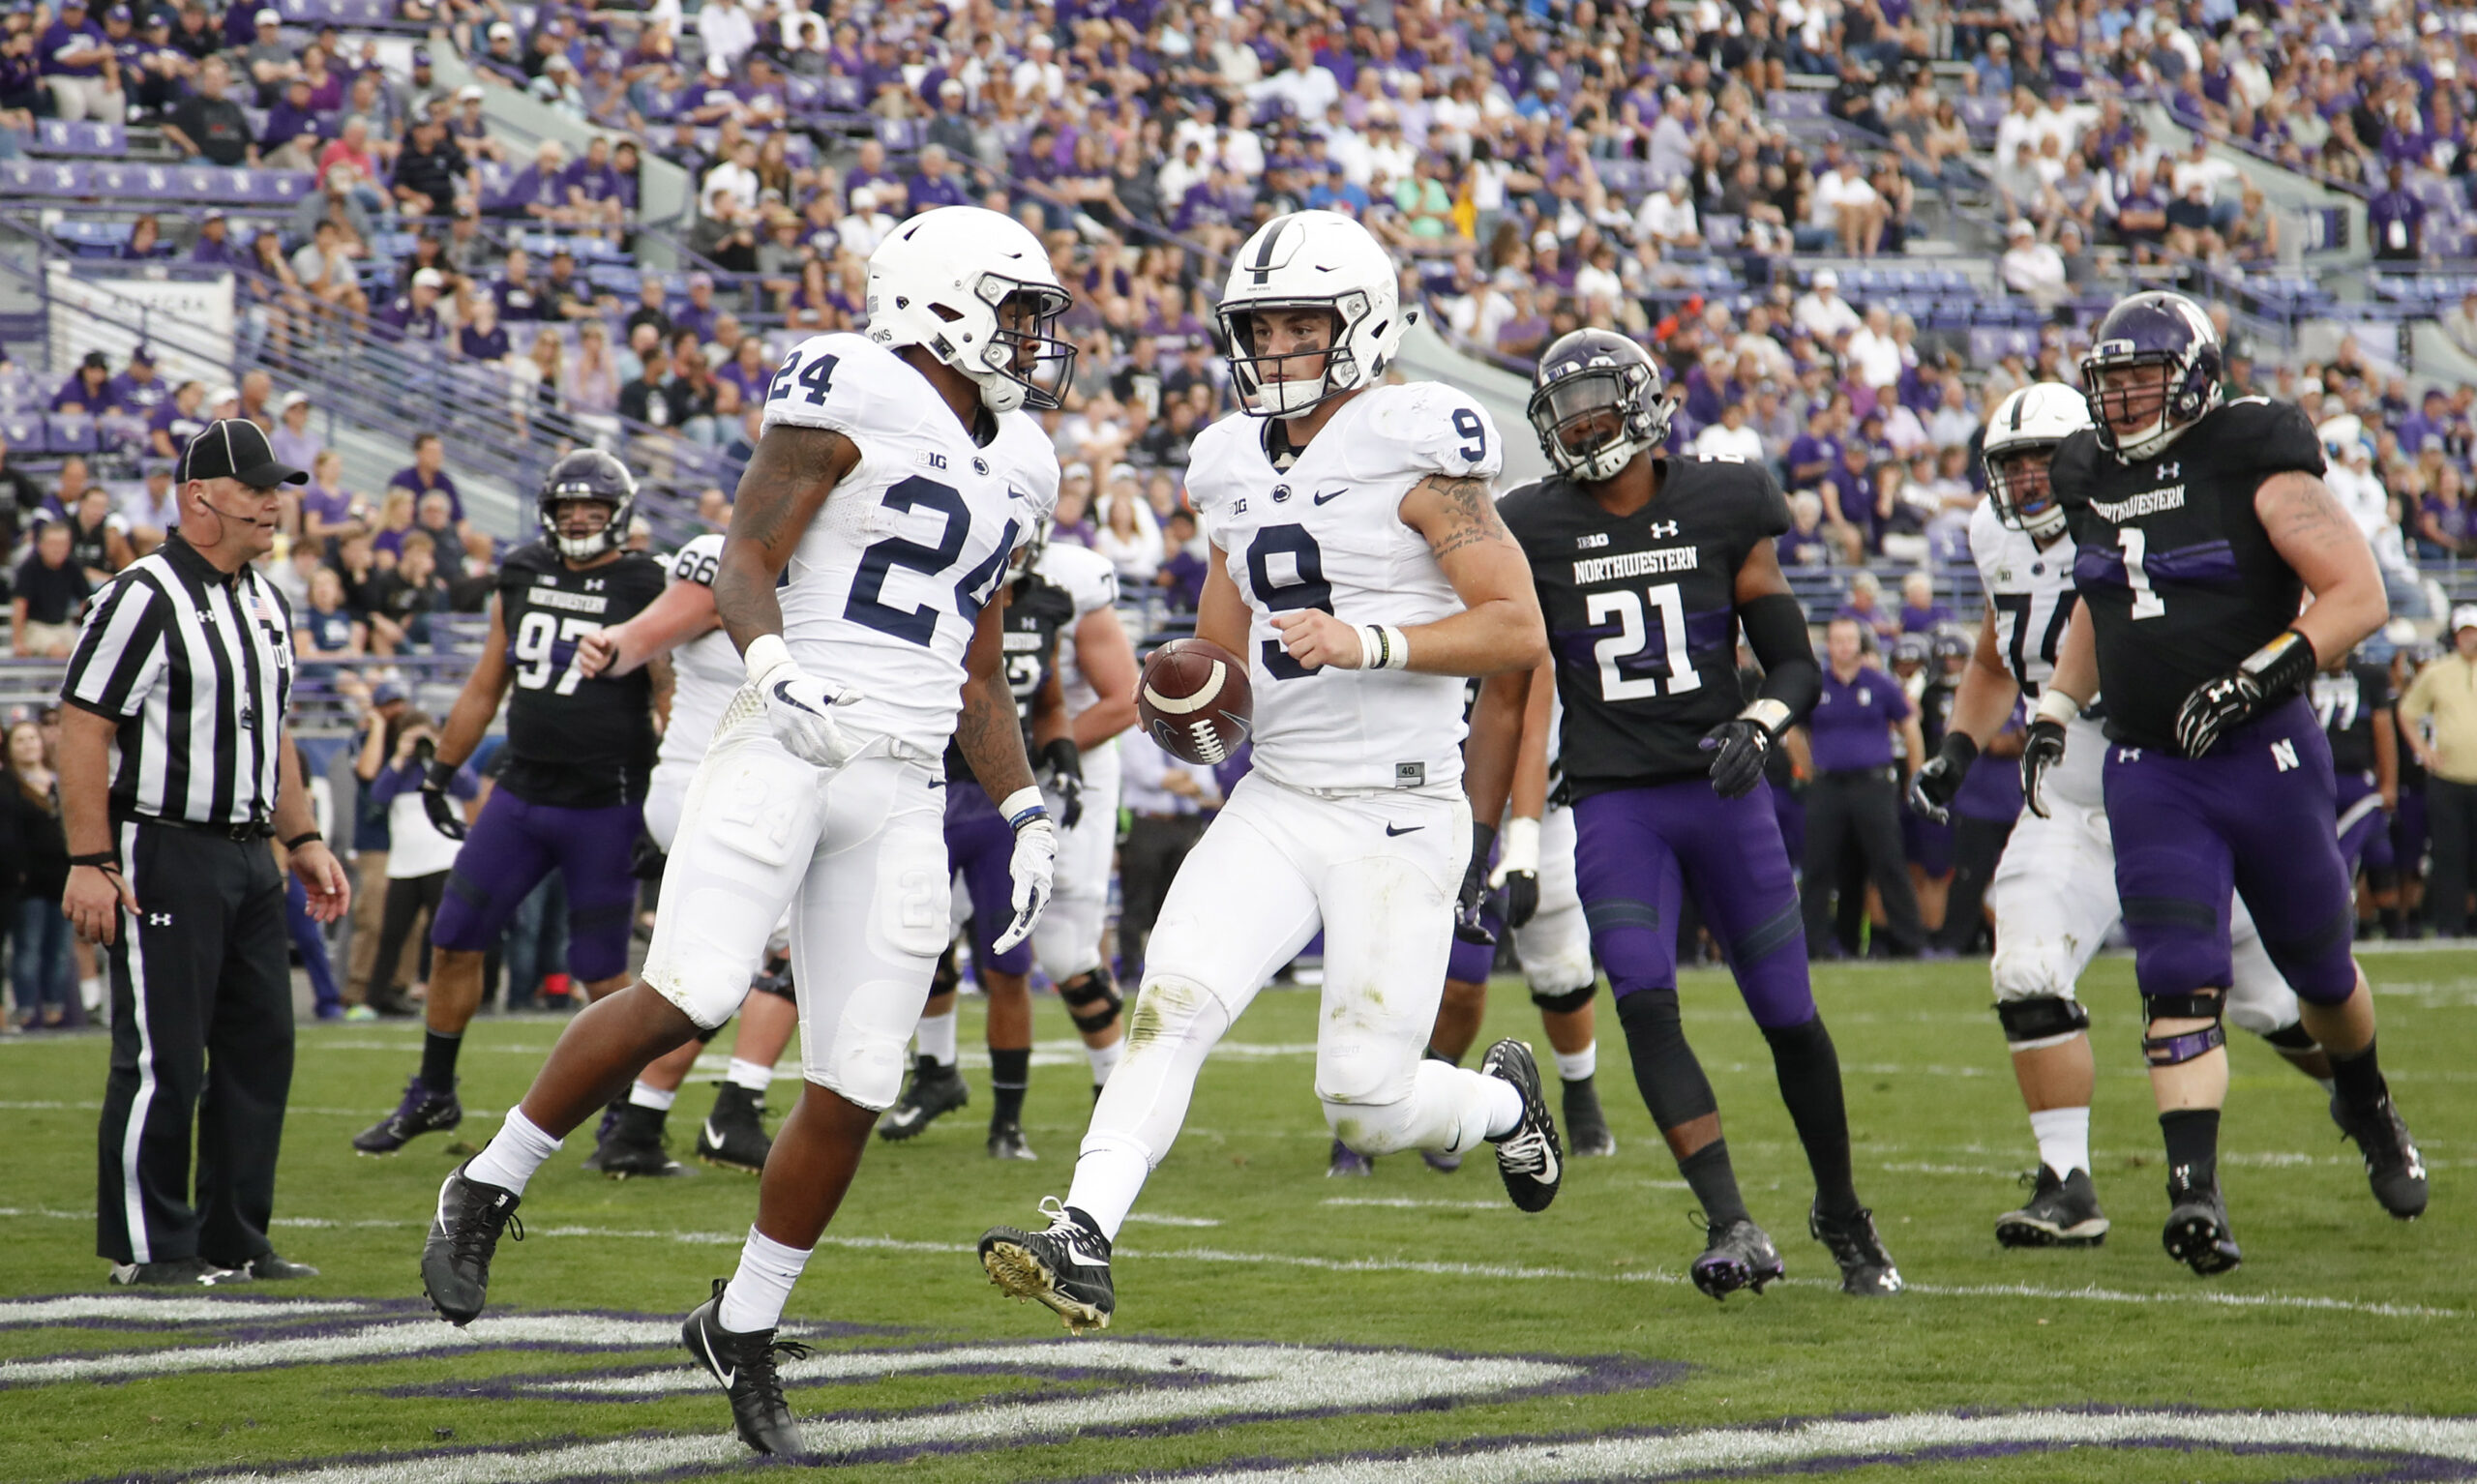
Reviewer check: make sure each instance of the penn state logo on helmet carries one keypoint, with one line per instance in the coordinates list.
(1313, 260)
(2020, 438)
(2155, 328)
(1595, 403)
(587, 474)
(975, 288)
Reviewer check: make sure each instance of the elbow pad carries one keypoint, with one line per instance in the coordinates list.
(1776, 629)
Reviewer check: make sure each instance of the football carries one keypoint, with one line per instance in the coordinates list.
(1195, 700)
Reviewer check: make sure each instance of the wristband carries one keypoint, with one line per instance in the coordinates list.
(2283, 664)
(1021, 807)
(765, 654)
(438, 777)
(100, 860)
(2057, 707)
(1959, 748)
(1772, 716)
(1396, 646)
(1521, 852)
(301, 839)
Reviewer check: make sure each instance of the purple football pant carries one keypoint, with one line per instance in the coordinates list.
(513, 847)
(1637, 851)
(2365, 830)
(981, 845)
(2253, 816)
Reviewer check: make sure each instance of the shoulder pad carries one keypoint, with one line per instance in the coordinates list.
(1427, 427)
(2069, 472)
(2262, 436)
(843, 382)
(533, 556)
(694, 561)
(1215, 449)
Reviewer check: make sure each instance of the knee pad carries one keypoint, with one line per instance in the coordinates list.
(1365, 1072)
(2320, 966)
(2291, 1037)
(862, 1054)
(776, 980)
(2028, 968)
(947, 978)
(2041, 1021)
(2177, 1048)
(1568, 1002)
(1091, 999)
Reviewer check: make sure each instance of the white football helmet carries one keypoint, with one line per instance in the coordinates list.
(1312, 259)
(974, 288)
(2032, 420)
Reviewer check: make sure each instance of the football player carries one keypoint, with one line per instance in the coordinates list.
(2054, 888)
(572, 798)
(2359, 714)
(1646, 567)
(1359, 566)
(890, 483)
(2198, 527)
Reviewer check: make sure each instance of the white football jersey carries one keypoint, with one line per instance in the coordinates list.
(1087, 576)
(2030, 590)
(709, 668)
(887, 582)
(1328, 534)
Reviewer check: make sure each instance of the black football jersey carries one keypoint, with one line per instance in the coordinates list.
(574, 743)
(2181, 578)
(1038, 612)
(1642, 613)
(2346, 704)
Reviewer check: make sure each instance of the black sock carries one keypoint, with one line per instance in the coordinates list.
(1672, 1080)
(2293, 1038)
(2359, 1078)
(438, 1060)
(1010, 1073)
(1809, 1073)
(1433, 1054)
(1714, 1184)
(2192, 1146)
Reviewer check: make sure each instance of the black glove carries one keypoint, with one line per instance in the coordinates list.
(2218, 707)
(442, 811)
(1467, 925)
(1740, 747)
(2043, 750)
(1522, 898)
(1064, 763)
(1931, 790)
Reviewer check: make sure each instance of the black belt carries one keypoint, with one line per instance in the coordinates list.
(244, 832)
(1881, 771)
(1167, 818)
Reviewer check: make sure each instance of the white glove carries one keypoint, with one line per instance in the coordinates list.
(798, 706)
(1036, 857)
(1517, 852)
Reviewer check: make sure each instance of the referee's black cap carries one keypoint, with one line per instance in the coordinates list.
(234, 447)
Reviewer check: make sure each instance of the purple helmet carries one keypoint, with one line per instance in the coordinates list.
(587, 474)
(1596, 377)
(2160, 329)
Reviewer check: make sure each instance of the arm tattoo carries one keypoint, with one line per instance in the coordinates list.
(787, 481)
(990, 738)
(2298, 507)
(1470, 516)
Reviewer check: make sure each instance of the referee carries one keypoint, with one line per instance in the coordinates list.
(185, 664)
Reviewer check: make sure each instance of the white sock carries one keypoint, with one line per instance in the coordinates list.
(2063, 1138)
(1579, 1067)
(1105, 1059)
(1107, 1181)
(90, 993)
(936, 1034)
(749, 1074)
(656, 1098)
(757, 1293)
(1504, 1104)
(513, 1154)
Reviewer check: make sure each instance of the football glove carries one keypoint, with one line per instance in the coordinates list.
(1517, 873)
(445, 816)
(2219, 706)
(2043, 750)
(798, 706)
(1931, 790)
(1472, 897)
(1740, 747)
(1034, 860)
(1063, 765)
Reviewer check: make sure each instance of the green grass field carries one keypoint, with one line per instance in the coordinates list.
(1410, 1326)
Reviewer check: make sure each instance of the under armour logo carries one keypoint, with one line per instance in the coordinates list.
(1663, 529)
(2128, 755)
(2284, 753)
(159, 919)
(2170, 470)
(593, 584)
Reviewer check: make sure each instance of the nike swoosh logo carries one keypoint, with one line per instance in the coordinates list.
(1322, 496)
(727, 1376)
(1389, 830)
(783, 694)
(712, 1137)
(904, 1117)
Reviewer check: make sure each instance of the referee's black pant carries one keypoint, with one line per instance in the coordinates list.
(1860, 808)
(202, 1032)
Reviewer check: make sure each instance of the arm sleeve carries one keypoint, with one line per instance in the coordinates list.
(391, 782)
(1775, 627)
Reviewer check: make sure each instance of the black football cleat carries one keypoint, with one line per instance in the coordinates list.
(1586, 1134)
(2197, 1232)
(2060, 1212)
(1006, 1139)
(634, 1148)
(611, 1112)
(1866, 1269)
(2392, 1164)
(1736, 1256)
(744, 1363)
(456, 1256)
(1065, 1268)
(176, 1273)
(1529, 1159)
(935, 1090)
(267, 1268)
(422, 1111)
(735, 1133)
(1344, 1163)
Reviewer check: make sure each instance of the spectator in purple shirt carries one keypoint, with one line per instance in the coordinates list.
(937, 183)
(138, 389)
(697, 314)
(89, 388)
(750, 371)
(290, 141)
(429, 472)
(78, 66)
(413, 314)
(1919, 613)
(181, 417)
(215, 245)
(1181, 574)
(593, 187)
(2396, 219)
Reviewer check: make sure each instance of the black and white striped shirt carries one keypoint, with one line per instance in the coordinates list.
(196, 667)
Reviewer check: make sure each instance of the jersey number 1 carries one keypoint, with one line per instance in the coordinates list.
(2146, 604)
(1632, 641)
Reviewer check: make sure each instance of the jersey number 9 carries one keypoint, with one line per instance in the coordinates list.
(1307, 590)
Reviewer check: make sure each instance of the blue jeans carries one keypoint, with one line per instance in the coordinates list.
(42, 970)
